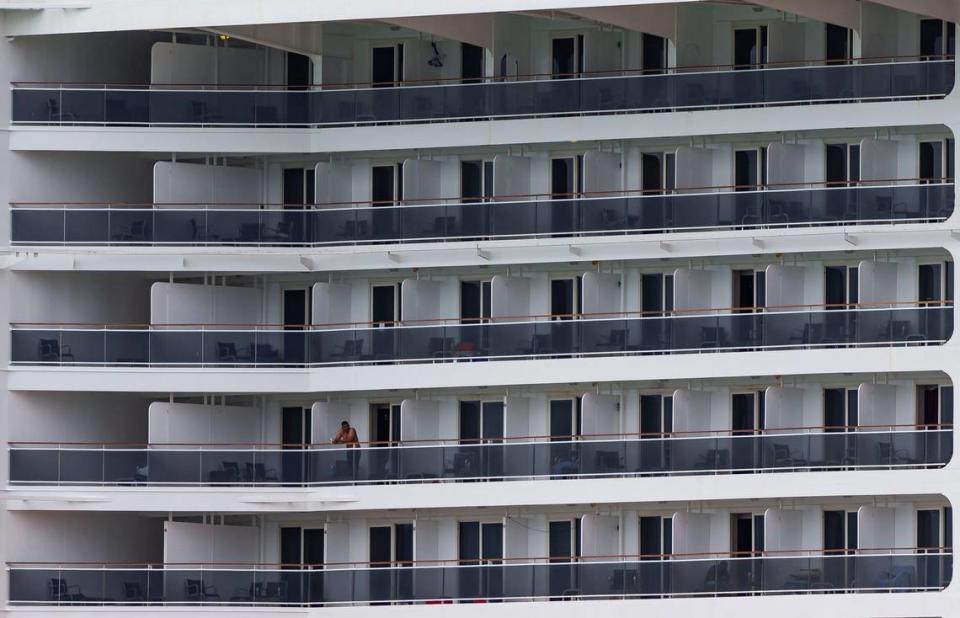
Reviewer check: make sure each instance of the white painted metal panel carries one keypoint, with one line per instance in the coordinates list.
(331, 304)
(336, 545)
(784, 287)
(876, 528)
(786, 164)
(601, 50)
(599, 537)
(876, 406)
(325, 419)
(600, 415)
(877, 283)
(421, 181)
(334, 183)
(187, 303)
(691, 411)
(694, 169)
(601, 293)
(878, 160)
(783, 531)
(783, 408)
(509, 297)
(601, 173)
(421, 301)
(785, 41)
(516, 416)
(426, 540)
(191, 423)
(691, 533)
(186, 543)
(194, 183)
(692, 289)
(420, 421)
(511, 176)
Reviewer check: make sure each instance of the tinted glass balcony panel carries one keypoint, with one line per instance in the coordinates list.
(426, 462)
(683, 89)
(585, 216)
(503, 340)
(894, 572)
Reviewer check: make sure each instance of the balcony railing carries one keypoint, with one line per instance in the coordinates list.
(913, 570)
(522, 217)
(220, 346)
(514, 459)
(680, 89)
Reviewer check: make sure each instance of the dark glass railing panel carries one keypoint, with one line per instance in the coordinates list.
(900, 572)
(166, 105)
(520, 460)
(544, 217)
(503, 340)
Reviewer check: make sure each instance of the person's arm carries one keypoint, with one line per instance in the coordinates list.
(337, 439)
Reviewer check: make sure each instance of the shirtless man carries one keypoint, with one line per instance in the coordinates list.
(348, 436)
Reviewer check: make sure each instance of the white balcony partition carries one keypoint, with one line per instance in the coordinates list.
(878, 283)
(785, 287)
(334, 183)
(694, 169)
(516, 416)
(194, 183)
(601, 293)
(188, 303)
(427, 301)
(336, 543)
(331, 303)
(878, 160)
(422, 181)
(783, 531)
(599, 537)
(191, 423)
(876, 406)
(183, 64)
(786, 41)
(417, 57)
(601, 173)
(510, 298)
(876, 528)
(600, 415)
(511, 177)
(692, 533)
(525, 537)
(426, 539)
(185, 543)
(692, 289)
(691, 412)
(601, 51)
(420, 421)
(783, 408)
(325, 419)
(786, 163)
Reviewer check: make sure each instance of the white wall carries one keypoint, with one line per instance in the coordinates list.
(72, 297)
(193, 183)
(77, 417)
(187, 423)
(181, 63)
(187, 303)
(185, 542)
(51, 536)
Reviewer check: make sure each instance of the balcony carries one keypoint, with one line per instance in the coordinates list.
(213, 346)
(628, 213)
(779, 572)
(686, 88)
(803, 449)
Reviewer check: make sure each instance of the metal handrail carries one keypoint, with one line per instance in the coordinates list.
(408, 83)
(478, 322)
(503, 199)
(779, 432)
